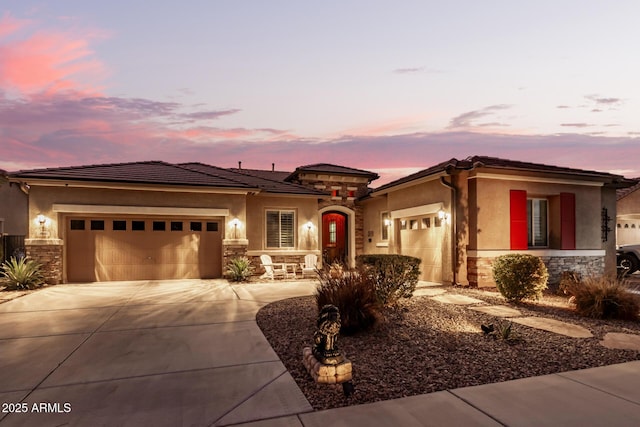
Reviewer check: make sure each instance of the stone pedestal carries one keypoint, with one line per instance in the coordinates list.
(323, 373)
(48, 253)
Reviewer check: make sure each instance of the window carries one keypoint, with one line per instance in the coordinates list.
(195, 226)
(537, 222)
(280, 229)
(437, 221)
(212, 226)
(137, 225)
(386, 223)
(413, 224)
(119, 225)
(426, 222)
(333, 232)
(176, 225)
(403, 224)
(159, 226)
(97, 224)
(77, 224)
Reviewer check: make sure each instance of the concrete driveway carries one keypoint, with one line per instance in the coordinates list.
(143, 353)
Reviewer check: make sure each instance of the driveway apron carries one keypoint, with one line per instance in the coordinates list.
(143, 353)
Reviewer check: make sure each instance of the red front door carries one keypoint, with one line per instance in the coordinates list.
(334, 240)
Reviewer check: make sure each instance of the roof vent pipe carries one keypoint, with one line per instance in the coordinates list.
(239, 165)
(273, 167)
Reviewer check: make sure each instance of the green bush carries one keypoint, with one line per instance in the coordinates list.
(21, 273)
(395, 276)
(605, 298)
(520, 276)
(353, 292)
(239, 269)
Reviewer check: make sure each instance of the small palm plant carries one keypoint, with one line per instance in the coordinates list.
(21, 273)
(239, 269)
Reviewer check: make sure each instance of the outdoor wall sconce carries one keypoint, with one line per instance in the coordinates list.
(443, 216)
(309, 226)
(387, 222)
(44, 223)
(235, 223)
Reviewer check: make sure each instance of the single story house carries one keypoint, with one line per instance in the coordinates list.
(459, 215)
(628, 215)
(156, 220)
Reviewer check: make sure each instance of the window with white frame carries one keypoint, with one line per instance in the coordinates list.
(385, 222)
(280, 229)
(537, 223)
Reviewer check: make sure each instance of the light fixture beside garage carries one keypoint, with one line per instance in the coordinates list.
(235, 223)
(44, 224)
(309, 226)
(443, 216)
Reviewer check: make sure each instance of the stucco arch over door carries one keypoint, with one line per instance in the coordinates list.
(349, 214)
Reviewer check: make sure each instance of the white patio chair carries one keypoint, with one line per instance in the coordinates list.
(309, 266)
(271, 270)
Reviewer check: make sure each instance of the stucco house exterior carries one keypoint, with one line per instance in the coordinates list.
(461, 214)
(628, 215)
(157, 220)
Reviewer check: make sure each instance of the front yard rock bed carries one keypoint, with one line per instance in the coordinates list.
(423, 346)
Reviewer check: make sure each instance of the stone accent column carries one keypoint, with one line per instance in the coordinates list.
(233, 248)
(48, 253)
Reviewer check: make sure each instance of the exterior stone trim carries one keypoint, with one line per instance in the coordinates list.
(48, 253)
(479, 269)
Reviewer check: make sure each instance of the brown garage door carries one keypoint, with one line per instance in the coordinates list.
(421, 237)
(106, 248)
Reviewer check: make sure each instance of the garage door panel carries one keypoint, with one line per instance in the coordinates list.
(105, 255)
(426, 244)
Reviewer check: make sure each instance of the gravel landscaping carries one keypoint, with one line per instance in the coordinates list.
(424, 346)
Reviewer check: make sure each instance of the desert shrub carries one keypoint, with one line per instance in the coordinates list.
(353, 292)
(239, 269)
(395, 276)
(568, 281)
(21, 273)
(605, 298)
(520, 276)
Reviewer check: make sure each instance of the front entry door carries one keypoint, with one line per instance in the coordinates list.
(334, 237)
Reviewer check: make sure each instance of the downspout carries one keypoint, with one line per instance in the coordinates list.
(454, 229)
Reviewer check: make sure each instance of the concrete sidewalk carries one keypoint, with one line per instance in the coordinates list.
(190, 353)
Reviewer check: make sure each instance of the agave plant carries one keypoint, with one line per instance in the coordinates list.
(239, 269)
(21, 273)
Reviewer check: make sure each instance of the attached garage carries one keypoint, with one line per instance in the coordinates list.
(106, 248)
(421, 234)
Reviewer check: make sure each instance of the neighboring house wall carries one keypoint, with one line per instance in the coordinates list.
(628, 219)
(13, 210)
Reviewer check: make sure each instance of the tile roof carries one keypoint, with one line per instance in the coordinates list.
(498, 163)
(332, 169)
(257, 179)
(151, 172)
(624, 192)
(267, 174)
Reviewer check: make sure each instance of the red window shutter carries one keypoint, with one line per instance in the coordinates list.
(518, 219)
(568, 220)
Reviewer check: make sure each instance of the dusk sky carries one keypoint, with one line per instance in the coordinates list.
(386, 86)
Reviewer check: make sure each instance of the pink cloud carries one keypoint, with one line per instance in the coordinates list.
(47, 61)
